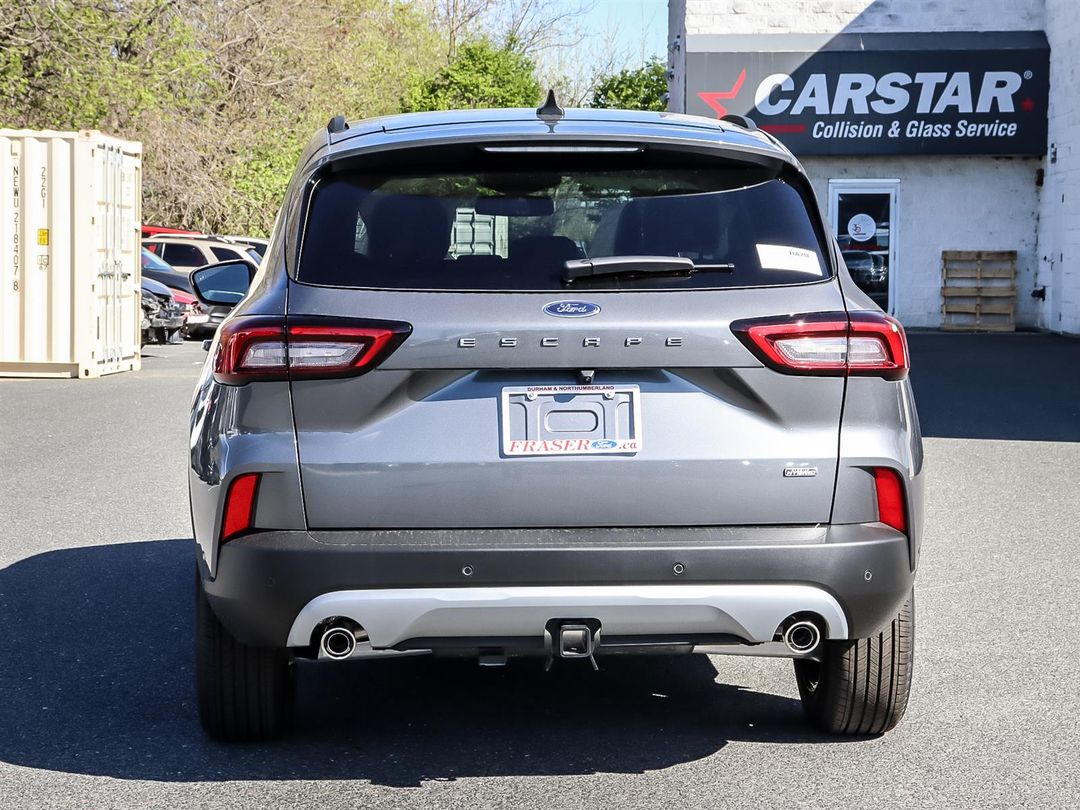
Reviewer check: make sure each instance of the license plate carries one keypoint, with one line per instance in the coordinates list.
(571, 420)
(197, 318)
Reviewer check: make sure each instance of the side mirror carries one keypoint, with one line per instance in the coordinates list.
(224, 284)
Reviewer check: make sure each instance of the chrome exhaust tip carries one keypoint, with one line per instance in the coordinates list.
(337, 642)
(802, 637)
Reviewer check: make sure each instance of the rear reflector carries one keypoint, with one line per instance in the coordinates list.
(828, 344)
(269, 348)
(240, 506)
(890, 498)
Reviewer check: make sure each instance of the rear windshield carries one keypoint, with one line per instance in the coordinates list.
(529, 230)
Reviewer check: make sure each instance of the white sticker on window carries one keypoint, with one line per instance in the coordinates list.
(785, 257)
(861, 227)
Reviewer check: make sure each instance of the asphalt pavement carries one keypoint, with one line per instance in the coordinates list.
(97, 701)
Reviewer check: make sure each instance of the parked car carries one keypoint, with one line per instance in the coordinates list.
(153, 266)
(256, 242)
(188, 252)
(700, 438)
(880, 272)
(162, 316)
(196, 321)
(149, 231)
(863, 267)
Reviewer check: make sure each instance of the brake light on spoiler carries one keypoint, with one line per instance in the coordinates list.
(828, 344)
(270, 348)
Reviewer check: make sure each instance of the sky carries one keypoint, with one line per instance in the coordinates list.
(640, 25)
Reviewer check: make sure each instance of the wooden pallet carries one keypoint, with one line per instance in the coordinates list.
(978, 290)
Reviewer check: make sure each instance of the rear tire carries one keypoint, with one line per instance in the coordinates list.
(244, 692)
(861, 686)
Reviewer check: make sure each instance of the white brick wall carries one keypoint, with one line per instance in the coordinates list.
(948, 203)
(833, 16)
(1059, 211)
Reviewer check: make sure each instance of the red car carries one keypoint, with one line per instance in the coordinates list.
(149, 231)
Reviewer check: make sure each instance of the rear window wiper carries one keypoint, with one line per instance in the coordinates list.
(630, 266)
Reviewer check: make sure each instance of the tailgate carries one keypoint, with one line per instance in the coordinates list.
(445, 433)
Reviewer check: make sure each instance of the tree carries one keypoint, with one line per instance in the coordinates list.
(535, 25)
(558, 35)
(72, 64)
(224, 94)
(644, 88)
(480, 75)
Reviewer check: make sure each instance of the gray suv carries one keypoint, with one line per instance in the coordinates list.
(561, 384)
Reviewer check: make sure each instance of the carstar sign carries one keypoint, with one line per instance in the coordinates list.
(952, 93)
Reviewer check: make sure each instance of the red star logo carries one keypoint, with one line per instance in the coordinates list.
(1027, 105)
(713, 99)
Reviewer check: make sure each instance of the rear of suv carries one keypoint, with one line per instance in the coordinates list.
(553, 384)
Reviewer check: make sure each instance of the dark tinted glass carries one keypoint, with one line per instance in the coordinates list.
(515, 231)
(180, 255)
(225, 254)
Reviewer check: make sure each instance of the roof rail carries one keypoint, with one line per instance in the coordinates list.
(740, 121)
(336, 124)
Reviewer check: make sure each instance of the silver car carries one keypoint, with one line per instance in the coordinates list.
(557, 384)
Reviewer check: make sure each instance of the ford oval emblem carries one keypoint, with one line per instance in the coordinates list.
(571, 309)
(604, 444)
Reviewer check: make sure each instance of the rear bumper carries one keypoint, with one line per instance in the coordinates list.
(169, 321)
(207, 327)
(272, 588)
(420, 618)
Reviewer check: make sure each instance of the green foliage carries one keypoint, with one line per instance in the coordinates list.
(71, 63)
(257, 180)
(224, 94)
(480, 75)
(640, 89)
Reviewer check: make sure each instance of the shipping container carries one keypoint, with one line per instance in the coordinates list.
(70, 211)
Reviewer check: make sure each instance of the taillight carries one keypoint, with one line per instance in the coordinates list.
(892, 510)
(270, 348)
(240, 505)
(832, 343)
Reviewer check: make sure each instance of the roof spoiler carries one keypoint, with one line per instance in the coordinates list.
(740, 121)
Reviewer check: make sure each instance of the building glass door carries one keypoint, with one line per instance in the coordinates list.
(863, 214)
